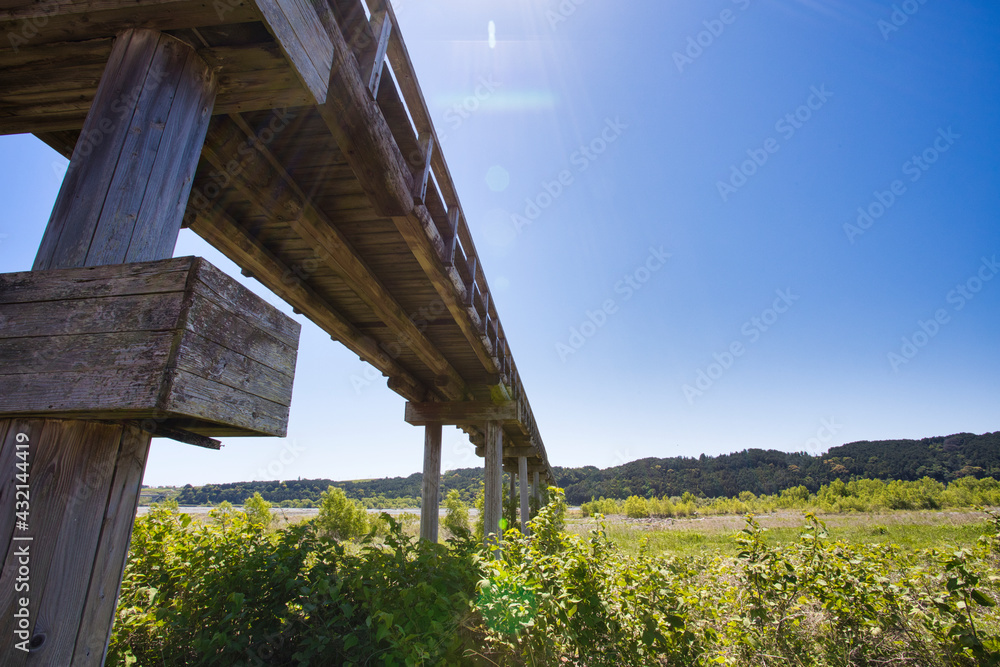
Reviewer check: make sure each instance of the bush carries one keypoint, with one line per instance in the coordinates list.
(258, 510)
(456, 521)
(340, 517)
(636, 507)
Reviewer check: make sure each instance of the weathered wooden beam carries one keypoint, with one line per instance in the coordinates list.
(431, 485)
(459, 412)
(522, 478)
(98, 217)
(187, 347)
(535, 489)
(121, 201)
(271, 189)
(296, 27)
(234, 241)
(26, 23)
(250, 77)
(357, 124)
(493, 490)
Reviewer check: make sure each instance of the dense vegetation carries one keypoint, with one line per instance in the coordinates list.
(232, 592)
(859, 495)
(755, 471)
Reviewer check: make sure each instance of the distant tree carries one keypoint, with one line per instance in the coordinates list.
(258, 510)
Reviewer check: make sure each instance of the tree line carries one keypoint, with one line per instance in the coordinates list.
(758, 471)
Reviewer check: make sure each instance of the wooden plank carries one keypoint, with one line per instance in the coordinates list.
(146, 352)
(26, 23)
(67, 460)
(95, 281)
(210, 402)
(459, 412)
(148, 312)
(77, 210)
(213, 284)
(230, 331)
(295, 27)
(431, 483)
(112, 549)
(227, 366)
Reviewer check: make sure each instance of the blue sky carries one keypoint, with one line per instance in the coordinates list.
(679, 184)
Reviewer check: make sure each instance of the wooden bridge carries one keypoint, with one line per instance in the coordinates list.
(290, 134)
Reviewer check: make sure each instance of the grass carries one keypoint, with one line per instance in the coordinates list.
(700, 536)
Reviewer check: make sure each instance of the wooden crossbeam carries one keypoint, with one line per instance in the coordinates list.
(460, 412)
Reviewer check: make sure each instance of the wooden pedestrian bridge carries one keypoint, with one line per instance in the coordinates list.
(291, 135)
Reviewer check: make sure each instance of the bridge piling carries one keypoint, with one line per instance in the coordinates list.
(430, 502)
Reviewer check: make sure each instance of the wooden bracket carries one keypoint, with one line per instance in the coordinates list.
(421, 176)
(381, 27)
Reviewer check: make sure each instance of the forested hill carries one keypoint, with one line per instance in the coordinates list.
(755, 470)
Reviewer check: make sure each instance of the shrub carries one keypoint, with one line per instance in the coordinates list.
(456, 521)
(258, 510)
(340, 517)
(636, 507)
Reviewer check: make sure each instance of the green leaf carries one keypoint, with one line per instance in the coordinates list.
(982, 598)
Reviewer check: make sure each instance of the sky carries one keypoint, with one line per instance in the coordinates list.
(707, 226)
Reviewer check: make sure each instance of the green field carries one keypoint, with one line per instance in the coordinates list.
(701, 536)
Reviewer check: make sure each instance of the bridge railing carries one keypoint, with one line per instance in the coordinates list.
(373, 32)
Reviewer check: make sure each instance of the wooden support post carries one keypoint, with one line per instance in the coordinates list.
(537, 490)
(493, 501)
(430, 500)
(522, 477)
(513, 492)
(122, 200)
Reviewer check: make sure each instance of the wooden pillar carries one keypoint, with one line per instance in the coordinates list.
(513, 492)
(537, 490)
(522, 477)
(430, 501)
(493, 502)
(121, 201)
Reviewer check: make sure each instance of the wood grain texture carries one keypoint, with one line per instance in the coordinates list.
(152, 106)
(296, 29)
(431, 484)
(455, 413)
(522, 480)
(493, 490)
(186, 345)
